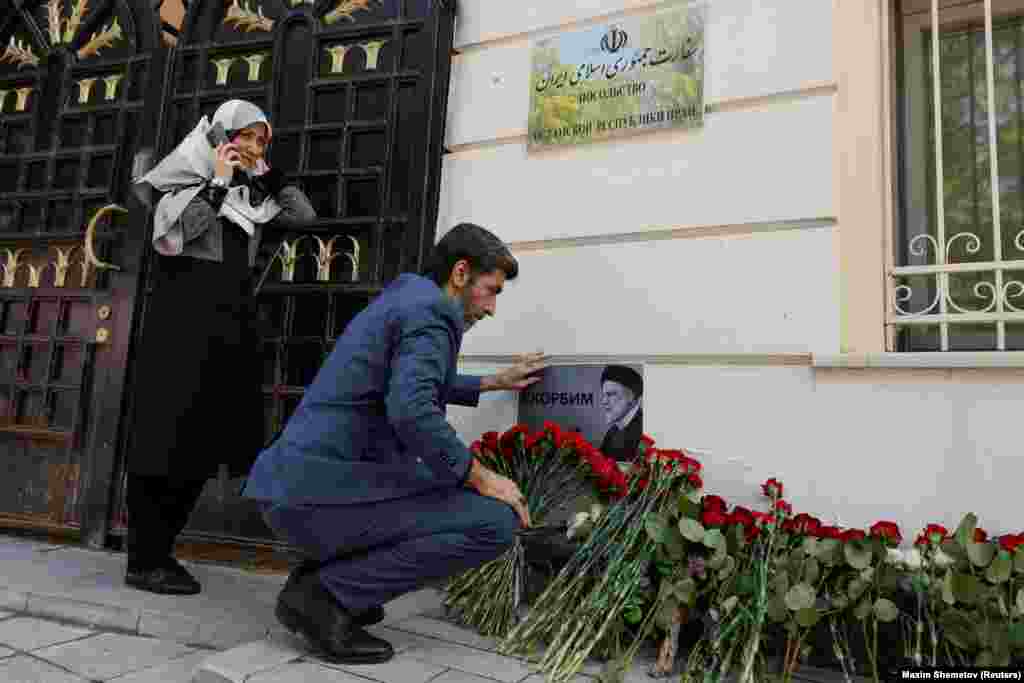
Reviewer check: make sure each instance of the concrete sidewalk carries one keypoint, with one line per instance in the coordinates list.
(67, 617)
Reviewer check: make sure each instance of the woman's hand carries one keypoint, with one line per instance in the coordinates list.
(227, 158)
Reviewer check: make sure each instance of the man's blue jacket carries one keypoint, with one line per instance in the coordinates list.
(372, 424)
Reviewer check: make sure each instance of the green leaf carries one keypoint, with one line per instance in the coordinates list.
(729, 604)
(966, 588)
(801, 596)
(1020, 602)
(812, 571)
(686, 591)
(958, 628)
(1017, 636)
(863, 609)
(656, 526)
(777, 611)
(674, 543)
(633, 615)
(856, 589)
(808, 617)
(886, 610)
(964, 534)
(691, 529)
(985, 660)
(667, 611)
(954, 550)
(745, 584)
(810, 546)
(687, 508)
(858, 554)
(1018, 561)
(840, 601)
(780, 584)
(713, 538)
(830, 551)
(980, 554)
(728, 567)
(948, 596)
(1000, 569)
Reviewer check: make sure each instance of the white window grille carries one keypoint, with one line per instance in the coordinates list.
(958, 279)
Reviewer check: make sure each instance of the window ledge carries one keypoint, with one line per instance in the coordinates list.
(971, 359)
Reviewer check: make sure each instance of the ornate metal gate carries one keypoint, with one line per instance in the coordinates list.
(75, 77)
(356, 91)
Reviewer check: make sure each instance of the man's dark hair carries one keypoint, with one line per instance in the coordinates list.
(482, 248)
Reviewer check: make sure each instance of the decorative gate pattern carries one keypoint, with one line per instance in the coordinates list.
(73, 84)
(356, 92)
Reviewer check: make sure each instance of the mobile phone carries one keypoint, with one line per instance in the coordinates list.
(217, 136)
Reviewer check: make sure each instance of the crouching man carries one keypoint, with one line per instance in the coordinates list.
(368, 478)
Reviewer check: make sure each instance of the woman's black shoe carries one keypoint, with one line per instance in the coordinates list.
(163, 580)
(307, 608)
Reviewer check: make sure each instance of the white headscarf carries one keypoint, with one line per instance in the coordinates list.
(183, 173)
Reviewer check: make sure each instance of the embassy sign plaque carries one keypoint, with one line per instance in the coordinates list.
(639, 73)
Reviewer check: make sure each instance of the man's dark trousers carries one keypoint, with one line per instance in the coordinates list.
(375, 552)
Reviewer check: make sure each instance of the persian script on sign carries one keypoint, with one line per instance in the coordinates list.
(636, 74)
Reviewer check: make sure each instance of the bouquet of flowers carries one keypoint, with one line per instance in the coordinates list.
(584, 609)
(552, 469)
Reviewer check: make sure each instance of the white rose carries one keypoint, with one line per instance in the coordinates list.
(894, 556)
(578, 521)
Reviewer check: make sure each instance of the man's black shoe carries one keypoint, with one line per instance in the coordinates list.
(366, 617)
(307, 608)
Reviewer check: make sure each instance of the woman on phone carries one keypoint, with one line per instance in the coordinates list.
(199, 372)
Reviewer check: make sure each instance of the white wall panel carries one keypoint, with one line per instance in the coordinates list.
(765, 165)
(763, 293)
(850, 447)
(754, 48)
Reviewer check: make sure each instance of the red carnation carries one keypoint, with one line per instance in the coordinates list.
(852, 535)
(617, 483)
(533, 439)
(603, 469)
(762, 518)
(642, 484)
(1010, 542)
(752, 532)
(785, 508)
(772, 488)
(695, 481)
(475, 448)
(888, 532)
(712, 502)
(490, 440)
(980, 535)
(647, 441)
(712, 517)
(806, 524)
(552, 427)
(742, 516)
(829, 532)
(690, 465)
(936, 533)
(922, 542)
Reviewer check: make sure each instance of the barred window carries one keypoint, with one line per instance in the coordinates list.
(958, 278)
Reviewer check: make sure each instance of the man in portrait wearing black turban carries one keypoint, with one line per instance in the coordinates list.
(621, 391)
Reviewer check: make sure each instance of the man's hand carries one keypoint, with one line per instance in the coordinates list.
(493, 485)
(516, 376)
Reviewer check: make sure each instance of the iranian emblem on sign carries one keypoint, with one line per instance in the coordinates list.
(614, 40)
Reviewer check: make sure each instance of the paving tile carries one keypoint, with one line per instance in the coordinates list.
(402, 669)
(5, 652)
(181, 670)
(82, 612)
(112, 654)
(28, 670)
(306, 672)
(4, 614)
(578, 678)
(13, 600)
(453, 676)
(239, 664)
(29, 633)
(180, 628)
(462, 658)
(413, 604)
(446, 630)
